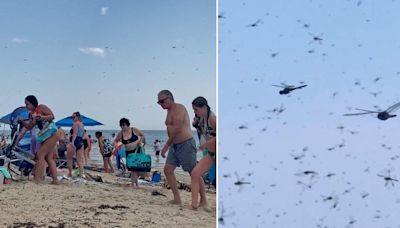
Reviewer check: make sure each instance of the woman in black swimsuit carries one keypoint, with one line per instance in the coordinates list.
(132, 138)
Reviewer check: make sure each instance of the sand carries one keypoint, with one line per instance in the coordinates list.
(110, 204)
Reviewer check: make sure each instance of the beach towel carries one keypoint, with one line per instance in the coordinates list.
(5, 172)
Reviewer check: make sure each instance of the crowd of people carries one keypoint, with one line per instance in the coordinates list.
(49, 142)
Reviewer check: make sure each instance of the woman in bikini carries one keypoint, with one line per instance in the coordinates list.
(132, 138)
(41, 116)
(209, 124)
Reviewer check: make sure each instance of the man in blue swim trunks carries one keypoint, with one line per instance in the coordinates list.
(181, 145)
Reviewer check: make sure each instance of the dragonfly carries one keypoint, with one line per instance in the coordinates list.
(240, 181)
(288, 88)
(388, 179)
(382, 115)
(222, 215)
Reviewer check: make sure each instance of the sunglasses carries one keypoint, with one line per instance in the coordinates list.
(162, 101)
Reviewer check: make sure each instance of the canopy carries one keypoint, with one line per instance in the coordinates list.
(68, 122)
(21, 111)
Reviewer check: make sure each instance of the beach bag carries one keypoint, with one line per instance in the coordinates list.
(47, 131)
(138, 161)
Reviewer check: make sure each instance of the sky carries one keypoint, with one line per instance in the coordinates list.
(265, 43)
(107, 59)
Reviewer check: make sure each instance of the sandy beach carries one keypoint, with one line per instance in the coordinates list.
(113, 203)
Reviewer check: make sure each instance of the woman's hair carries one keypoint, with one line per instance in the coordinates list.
(78, 115)
(196, 121)
(99, 133)
(200, 102)
(124, 121)
(33, 100)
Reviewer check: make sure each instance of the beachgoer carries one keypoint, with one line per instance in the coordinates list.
(62, 143)
(132, 138)
(157, 149)
(41, 116)
(86, 142)
(208, 121)
(91, 141)
(181, 145)
(108, 167)
(76, 145)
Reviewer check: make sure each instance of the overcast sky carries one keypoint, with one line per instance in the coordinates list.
(107, 59)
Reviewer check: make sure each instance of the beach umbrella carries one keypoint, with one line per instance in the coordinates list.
(68, 122)
(21, 112)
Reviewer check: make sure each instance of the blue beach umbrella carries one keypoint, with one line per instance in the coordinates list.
(21, 111)
(68, 122)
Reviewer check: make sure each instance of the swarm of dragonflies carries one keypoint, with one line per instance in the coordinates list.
(382, 115)
(288, 88)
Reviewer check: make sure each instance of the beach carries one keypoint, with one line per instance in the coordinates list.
(77, 203)
(111, 203)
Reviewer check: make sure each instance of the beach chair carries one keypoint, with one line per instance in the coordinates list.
(18, 158)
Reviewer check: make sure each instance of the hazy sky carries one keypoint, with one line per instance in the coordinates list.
(264, 43)
(107, 59)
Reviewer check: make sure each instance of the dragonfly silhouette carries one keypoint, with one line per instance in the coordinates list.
(288, 88)
(382, 115)
(240, 181)
(388, 179)
(222, 216)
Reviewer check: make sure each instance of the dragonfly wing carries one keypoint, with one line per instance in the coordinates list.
(299, 87)
(356, 114)
(393, 107)
(364, 110)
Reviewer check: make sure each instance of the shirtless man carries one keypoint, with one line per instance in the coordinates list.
(181, 145)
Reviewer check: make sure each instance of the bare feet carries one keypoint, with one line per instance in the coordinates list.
(55, 182)
(135, 186)
(192, 207)
(175, 202)
(203, 204)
